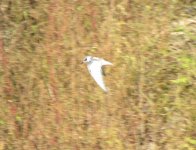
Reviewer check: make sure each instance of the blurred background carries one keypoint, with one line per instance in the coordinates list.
(48, 100)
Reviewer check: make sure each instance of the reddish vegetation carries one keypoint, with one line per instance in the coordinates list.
(49, 101)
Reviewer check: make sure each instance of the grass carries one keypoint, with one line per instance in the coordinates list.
(49, 100)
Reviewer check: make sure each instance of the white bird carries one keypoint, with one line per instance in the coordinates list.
(94, 65)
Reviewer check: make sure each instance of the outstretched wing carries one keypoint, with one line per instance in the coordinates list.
(104, 62)
(95, 69)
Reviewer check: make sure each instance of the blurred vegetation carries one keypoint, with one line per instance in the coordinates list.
(49, 101)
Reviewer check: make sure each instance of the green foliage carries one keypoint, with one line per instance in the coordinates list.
(191, 141)
(2, 122)
(181, 80)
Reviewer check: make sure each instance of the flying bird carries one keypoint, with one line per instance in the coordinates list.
(94, 65)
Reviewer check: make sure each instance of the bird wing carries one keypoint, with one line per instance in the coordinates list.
(95, 69)
(104, 62)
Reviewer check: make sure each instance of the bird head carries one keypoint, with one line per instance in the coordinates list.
(87, 59)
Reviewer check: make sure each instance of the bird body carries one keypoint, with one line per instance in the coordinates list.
(94, 65)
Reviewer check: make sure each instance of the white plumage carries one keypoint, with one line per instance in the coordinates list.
(94, 66)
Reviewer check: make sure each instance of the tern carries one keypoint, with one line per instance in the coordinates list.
(95, 68)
